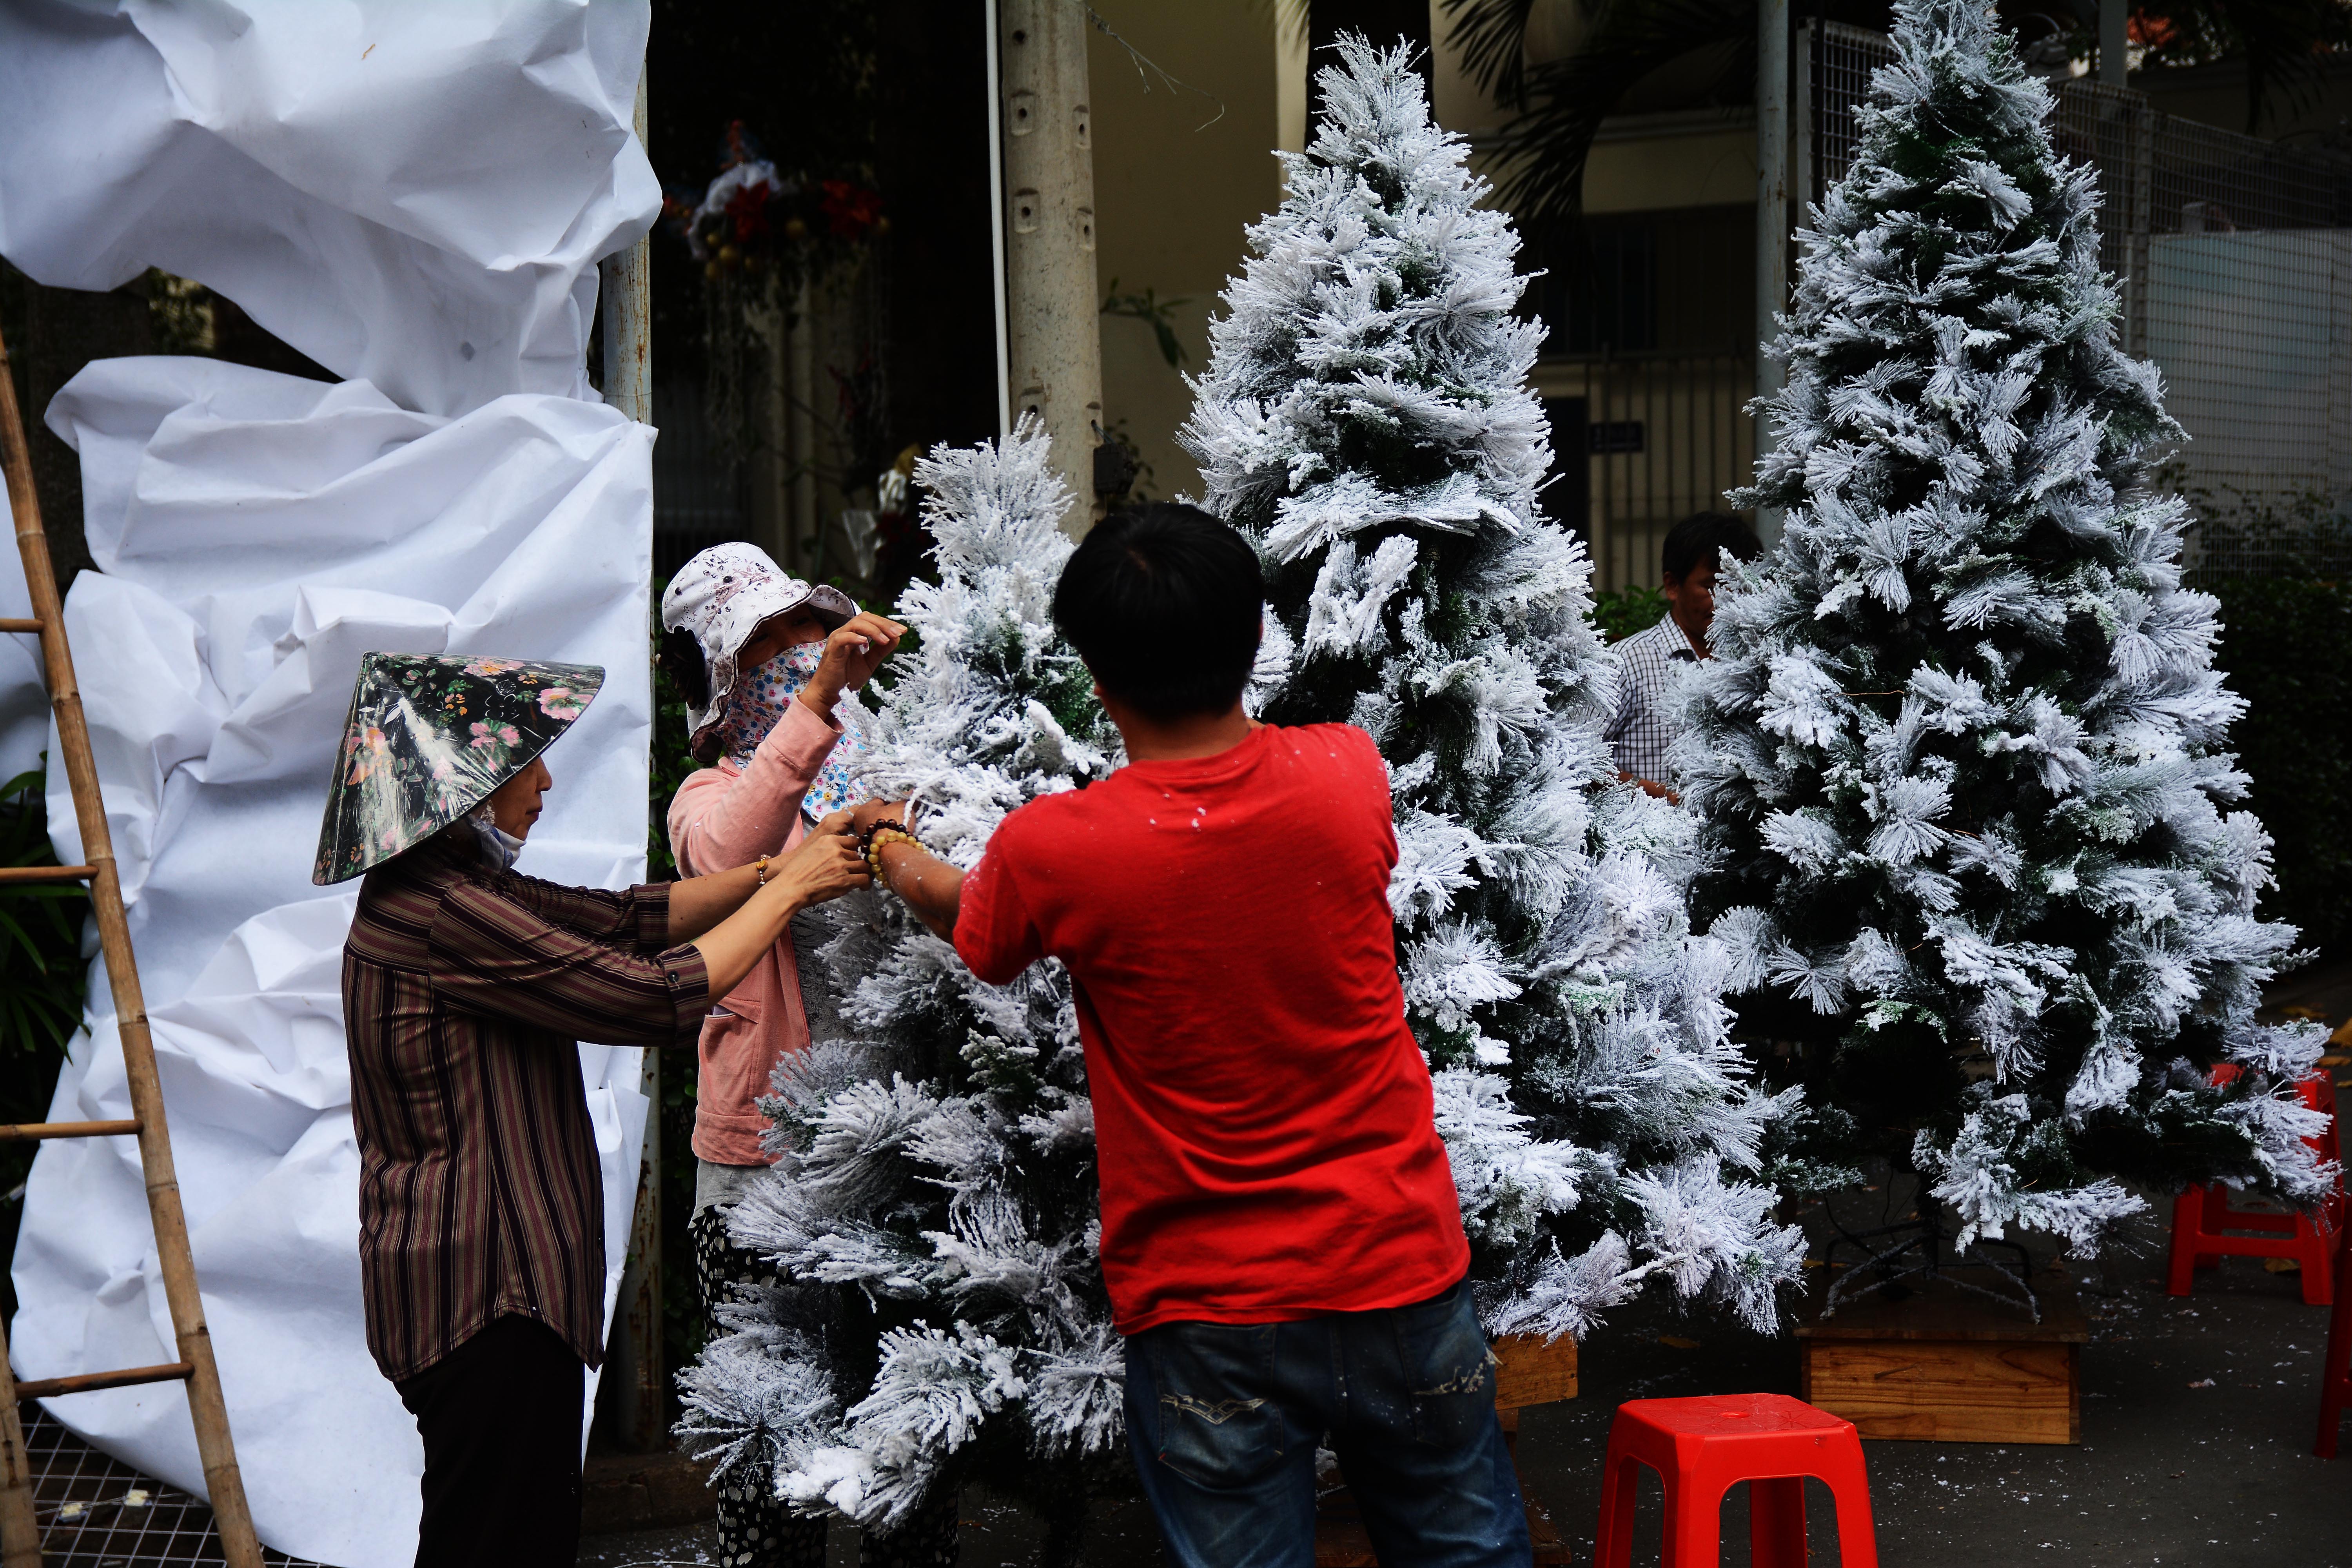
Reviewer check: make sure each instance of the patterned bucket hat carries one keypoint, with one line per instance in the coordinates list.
(428, 738)
(718, 601)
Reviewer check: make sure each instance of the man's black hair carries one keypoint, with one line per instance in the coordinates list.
(1693, 541)
(1162, 602)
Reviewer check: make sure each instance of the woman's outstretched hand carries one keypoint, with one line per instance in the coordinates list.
(852, 655)
(824, 865)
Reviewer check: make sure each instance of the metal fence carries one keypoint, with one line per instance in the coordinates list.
(1644, 440)
(2231, 255)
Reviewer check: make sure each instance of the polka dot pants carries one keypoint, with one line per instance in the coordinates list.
(755, 1531)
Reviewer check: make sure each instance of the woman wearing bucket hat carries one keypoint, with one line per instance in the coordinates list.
(762, 659)
(465, 988)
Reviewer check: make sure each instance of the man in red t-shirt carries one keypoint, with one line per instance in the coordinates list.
(1280, 1234)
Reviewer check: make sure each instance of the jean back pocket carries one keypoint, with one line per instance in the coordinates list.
(1219, 1423)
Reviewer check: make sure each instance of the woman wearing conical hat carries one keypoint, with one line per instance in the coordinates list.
(466, 988)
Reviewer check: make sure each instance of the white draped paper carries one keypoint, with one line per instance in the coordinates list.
(256, 534)
(413, 194)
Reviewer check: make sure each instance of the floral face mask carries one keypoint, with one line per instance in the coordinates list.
(757, 706)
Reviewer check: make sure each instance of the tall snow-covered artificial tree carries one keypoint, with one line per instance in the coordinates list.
(1960, 760)
(1366, 418)
(934, 1201)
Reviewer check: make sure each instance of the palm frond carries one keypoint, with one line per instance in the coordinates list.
(1491, 37)
(41, 964)
(1543, 149)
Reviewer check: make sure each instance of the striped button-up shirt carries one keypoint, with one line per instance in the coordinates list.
(465, 991)
(1644, 727)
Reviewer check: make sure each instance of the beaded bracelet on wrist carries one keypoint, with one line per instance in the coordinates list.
(882, 834)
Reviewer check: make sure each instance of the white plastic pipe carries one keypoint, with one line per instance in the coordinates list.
(996, 226)
(2114, 42)
(1771, 213)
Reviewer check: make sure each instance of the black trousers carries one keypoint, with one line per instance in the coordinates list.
(501, 1419)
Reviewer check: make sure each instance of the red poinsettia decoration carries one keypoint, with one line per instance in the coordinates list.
(851, 210)
(748, 210)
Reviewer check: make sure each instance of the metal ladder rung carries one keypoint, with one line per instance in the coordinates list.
(23, 1130)
(46, 874)
(19, 624)
(90, 1381)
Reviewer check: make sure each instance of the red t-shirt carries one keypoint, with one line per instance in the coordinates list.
(1263, 1116)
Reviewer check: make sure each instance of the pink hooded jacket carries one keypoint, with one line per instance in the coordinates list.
(725, 817)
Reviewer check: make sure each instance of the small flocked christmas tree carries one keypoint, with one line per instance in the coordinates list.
(1960, 759)
(1366, 418)
(934, 1197)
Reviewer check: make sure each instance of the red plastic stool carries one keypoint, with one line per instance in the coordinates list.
(1702, 1448)
(2202, 1217)
(2336, 1371)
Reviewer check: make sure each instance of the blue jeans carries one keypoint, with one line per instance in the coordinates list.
(1225, 1419)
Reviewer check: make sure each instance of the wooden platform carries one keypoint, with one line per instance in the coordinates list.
(1947, 1366)
(1529, 1372)
(1526, 1372)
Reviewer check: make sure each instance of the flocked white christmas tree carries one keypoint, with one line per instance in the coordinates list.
(1960, 757)
(1366, 417)
(934, 1202)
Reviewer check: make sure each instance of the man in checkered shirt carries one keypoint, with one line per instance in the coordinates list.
(1643, 726)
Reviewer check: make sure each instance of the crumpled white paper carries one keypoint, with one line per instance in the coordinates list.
(412, 195)
(256, 533)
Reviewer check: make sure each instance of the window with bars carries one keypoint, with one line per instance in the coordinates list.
(1678, 281)
(1598, 292)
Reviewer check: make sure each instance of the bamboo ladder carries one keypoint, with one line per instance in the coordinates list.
(20, 1540)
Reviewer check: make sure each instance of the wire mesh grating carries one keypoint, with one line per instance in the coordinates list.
(98, 1512)
(2233, 262)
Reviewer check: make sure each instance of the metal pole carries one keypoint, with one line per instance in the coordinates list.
(1772, 215)
(1804, 179)
(996, 226)
(624, 285)
(627, 287)
(2114, 42)
(1052, 303)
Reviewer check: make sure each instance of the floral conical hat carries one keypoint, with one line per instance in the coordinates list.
(428, 738)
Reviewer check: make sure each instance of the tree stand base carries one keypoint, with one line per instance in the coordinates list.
(1948, 1365)
(1526, 1372)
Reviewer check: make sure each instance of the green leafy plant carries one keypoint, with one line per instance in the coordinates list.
(41, 965)
(1157, 313)
(42, 972)
(1622, 612)
(671, 762)
(2281, 567)
(2296, 739)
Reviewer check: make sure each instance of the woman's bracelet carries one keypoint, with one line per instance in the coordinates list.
(880, 823)
(878, 834)
(762, 870)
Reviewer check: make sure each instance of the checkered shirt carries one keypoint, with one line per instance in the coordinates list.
(1648, 662)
